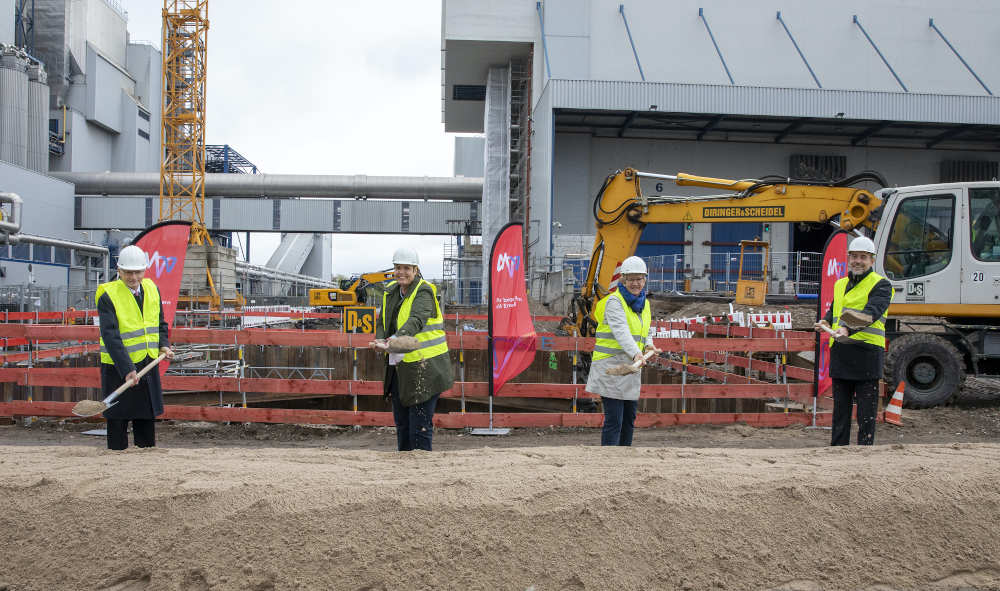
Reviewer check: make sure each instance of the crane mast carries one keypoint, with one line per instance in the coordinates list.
(182, 165)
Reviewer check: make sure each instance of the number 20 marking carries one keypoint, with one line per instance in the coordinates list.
(978, 276)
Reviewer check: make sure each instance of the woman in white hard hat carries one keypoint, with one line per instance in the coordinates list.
(133, 334)
(413, 380)
(623, 319)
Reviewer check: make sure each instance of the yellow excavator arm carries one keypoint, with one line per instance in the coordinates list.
(622, 211)
(351, 292)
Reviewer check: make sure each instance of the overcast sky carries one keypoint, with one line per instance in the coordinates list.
(326, 87)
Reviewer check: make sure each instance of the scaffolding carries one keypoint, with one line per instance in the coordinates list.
(462, 269)
(520, 139)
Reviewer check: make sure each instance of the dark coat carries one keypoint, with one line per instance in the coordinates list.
(419, 381)
(860, 361)
(144, 400)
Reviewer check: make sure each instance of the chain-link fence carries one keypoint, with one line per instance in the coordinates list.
(666, 273)
(31, 298)
(787, 273)
(804, 271)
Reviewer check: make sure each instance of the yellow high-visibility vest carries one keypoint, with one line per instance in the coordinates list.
(433, 341)
(856, 300)
(139, 329)
(606, 345)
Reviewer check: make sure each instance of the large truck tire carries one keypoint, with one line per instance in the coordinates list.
(932, 368)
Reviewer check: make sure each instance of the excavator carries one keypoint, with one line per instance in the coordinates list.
(939, 246)
(351, 292)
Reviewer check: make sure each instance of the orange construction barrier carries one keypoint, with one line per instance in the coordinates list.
(725, 346)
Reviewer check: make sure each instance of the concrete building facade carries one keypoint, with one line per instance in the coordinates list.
(730, 89)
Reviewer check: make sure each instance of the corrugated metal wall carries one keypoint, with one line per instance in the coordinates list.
(13, 107)
(660, 239)
(38, 120)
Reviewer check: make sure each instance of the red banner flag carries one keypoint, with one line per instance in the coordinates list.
(512, 335)
(834, 267)
(165, 245)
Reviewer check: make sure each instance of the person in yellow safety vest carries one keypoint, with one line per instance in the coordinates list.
(413, 380)
(856, 366)
(133, 334)
(623, 319)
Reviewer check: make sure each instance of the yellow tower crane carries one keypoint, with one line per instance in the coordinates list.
(182, 168)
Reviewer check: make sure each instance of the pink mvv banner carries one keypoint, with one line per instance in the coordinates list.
(165, 245)
(834, 267)
(511, 332)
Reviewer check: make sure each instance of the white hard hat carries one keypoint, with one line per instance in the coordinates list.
(132, 258)
(405, 256)
(633, 265)
(862, 244)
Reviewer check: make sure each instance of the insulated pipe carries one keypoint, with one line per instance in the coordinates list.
(285, 185)
(11, 227)
(258, 271)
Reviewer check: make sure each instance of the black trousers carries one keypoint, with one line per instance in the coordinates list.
(143, 431)
(414, 424)
(845, 394)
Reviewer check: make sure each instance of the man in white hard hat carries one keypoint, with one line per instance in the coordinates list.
(860, 303)
(133, 334)
(623, 320)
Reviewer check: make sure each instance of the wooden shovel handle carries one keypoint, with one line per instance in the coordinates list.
(837, 337)
(645, 357)
(139, 375)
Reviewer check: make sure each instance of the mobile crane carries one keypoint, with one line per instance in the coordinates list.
(351, 292)
(939, 246)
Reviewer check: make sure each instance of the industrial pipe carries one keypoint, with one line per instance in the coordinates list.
(285, 185)
(11, 224)
(243, 267)
(56, 242)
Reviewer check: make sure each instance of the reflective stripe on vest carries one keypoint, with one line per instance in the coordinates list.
(856, 300)
(606, 345)
(138, 329)
(433, 341)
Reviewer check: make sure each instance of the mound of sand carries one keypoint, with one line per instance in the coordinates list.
(572, 517)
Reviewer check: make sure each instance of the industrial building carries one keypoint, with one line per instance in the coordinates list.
(80, 155)
(563, 94)
(567, 92)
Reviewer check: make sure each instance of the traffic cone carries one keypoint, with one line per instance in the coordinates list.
(894, 411)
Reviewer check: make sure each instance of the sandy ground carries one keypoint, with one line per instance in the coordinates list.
(292, 507)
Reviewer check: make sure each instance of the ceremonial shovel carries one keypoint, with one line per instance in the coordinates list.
(839, 338)
(89, 408)
(628, 368)
(398, 344)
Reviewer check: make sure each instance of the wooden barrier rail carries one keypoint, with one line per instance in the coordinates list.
(332, 338)
(722, 344)
(66, 315)
(89, 377)
(452, 420)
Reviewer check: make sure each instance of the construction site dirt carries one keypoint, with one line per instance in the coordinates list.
(236, 506)
(280, 506)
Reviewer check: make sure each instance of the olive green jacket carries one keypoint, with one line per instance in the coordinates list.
(418, 381)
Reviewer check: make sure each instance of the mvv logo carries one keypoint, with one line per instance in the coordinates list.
(161, 264)
(505, 261)
(836, 268)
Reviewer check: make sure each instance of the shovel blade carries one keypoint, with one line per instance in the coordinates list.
(89, 408)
